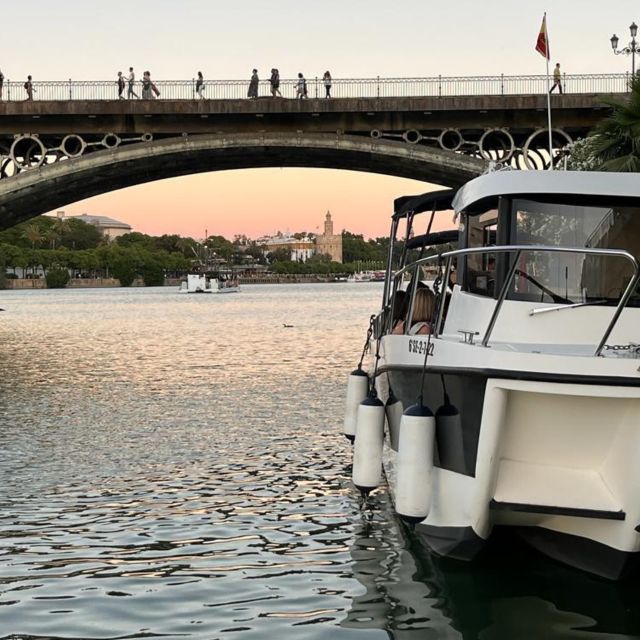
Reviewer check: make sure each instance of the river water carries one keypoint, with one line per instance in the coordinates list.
(172, 466)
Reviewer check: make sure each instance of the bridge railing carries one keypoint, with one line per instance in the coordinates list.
(436, 86)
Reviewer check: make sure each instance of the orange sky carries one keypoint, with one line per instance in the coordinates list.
(255, 202)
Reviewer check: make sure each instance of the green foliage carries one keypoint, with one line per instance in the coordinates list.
(152, 273)
(57, 278)
(123, 268)
(614, 144)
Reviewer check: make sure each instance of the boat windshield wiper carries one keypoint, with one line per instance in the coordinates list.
(562, 307)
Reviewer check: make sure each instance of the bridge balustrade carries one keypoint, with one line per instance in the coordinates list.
(435, 86)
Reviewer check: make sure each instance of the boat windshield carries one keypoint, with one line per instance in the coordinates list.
(571, 278)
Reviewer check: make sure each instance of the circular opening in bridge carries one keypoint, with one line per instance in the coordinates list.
(536, 149)
(450, 140)
(496, 144)
(147, 137)
(412, 136)
(111, 141)
(73, 145)
(376, 133)
(28, 151)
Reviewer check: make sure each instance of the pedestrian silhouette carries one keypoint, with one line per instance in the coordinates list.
(301, 87)
(253, 85)
(326, 79)
(121, 85)
(28, 87)
(275, 83)
(200, 85)
(131, 80)
(557, 79)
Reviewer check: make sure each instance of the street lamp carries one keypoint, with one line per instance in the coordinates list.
(631, 49)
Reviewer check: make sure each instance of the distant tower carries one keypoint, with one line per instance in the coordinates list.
(329, 243)
(328, 225)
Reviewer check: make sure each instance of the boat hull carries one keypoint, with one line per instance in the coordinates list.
(553, 457)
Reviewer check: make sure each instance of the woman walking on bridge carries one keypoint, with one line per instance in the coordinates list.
(253, 85)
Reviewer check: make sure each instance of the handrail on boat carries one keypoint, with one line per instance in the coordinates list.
(518, 249)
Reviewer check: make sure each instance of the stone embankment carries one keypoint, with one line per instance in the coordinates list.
(90, 283)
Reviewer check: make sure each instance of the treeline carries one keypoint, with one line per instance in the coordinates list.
(68, 244)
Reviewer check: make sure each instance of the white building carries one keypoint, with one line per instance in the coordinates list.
(108, 226)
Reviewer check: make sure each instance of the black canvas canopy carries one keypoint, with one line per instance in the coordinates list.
(432, 201)
(432, 239)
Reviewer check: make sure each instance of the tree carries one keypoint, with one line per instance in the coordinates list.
(33, 234)
(279, 255)
(615, 141)
(124, 270)
(57, 278)
(152, 273)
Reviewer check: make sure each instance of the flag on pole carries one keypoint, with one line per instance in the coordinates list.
(542, 44)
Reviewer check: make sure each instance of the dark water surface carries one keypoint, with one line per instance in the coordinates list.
(172, 466)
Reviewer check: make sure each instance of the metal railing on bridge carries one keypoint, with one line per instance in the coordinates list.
(436, 86)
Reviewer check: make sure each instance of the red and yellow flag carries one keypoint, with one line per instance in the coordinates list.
(542, 45)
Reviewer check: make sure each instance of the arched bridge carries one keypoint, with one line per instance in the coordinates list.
(57, 151)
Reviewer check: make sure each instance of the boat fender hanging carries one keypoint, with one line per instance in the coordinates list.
(393, 411)
(414, 464)
(367, 450)
(357, 390)
(449, 436)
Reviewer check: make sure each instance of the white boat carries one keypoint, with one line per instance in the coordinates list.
(530, 365)
(202, 283)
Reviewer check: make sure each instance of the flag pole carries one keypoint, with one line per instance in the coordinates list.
(548, 98)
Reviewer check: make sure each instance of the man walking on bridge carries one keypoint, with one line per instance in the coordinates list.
(557, 79)
(132, 79)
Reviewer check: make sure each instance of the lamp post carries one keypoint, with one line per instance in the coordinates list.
(631, 49)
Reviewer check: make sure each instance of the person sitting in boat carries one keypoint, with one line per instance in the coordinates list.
(423, 307)
(399, 307)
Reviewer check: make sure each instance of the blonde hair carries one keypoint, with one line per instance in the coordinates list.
(423, 306)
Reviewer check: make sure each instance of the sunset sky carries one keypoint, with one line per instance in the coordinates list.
(354, 38)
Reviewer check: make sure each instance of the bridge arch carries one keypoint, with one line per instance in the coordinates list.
(36, 191)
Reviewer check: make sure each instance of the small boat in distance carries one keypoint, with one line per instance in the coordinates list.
(203, 283)
(367, 276)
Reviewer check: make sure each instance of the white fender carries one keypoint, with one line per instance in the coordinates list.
(367, 450)
(357, 390)
(414, 463)
(393, 410)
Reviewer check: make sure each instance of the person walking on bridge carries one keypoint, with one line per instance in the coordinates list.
(326, 79)
(1, 82)
(28, 87)
(121, 84)
(301, 87)
(200, 85)
(275, 83)
(557, 79)
(253, 85)
(131, 80)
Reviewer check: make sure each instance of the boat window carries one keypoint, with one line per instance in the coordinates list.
(559, 277)
(481, 268)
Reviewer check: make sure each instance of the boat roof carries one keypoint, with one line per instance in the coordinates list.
(480, 193)
(432, 201)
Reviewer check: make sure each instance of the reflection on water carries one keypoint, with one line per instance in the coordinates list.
(172, 466)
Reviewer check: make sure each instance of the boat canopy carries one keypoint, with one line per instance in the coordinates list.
(432, 239)
(482, 193)
(431, 201)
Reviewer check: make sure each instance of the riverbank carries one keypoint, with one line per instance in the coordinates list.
(99, 283)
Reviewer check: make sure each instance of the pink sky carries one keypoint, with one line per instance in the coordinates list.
(255, 202)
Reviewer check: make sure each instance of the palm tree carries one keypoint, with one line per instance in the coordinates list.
(33, 234)
(615, 143)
